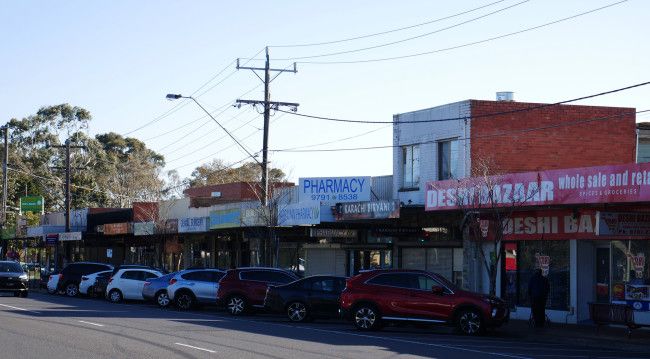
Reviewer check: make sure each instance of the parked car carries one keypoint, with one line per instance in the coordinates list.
(194, 286)
(245, 288)
(378, 296)
(70, 276)
(307, 298)
(87, 284)
(128, 284)
(155, 290)
(13, 279)
(134, 266)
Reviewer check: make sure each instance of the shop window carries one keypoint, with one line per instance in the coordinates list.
(631, 273)
(411, 166)
(448, 159)
(521, 260)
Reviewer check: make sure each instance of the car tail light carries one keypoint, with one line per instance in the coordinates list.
(146, 284)
(60, 276)
(84, 278)
(172, 281)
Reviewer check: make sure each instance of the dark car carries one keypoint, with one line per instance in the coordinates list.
(401, 295)
(155, 290)
(305, 299)
(70, 276)
(245, 288)
(13, 279)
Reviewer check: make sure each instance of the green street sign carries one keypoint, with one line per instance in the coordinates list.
(34, 204)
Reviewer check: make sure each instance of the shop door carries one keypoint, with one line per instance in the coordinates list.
(602, 275)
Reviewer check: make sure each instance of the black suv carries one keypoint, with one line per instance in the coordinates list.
(13, 278)
(70, 276)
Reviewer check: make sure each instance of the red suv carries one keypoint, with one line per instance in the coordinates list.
(244, 288)
(378, 296)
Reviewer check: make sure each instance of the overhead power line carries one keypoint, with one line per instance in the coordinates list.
(389, 31)
(526, 109)
(504, 133)
(184, 102)
(466, 44)
(406, 39)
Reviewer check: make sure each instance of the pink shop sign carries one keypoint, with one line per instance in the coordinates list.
(603, 184)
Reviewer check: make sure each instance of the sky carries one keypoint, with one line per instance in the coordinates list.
(119, 59)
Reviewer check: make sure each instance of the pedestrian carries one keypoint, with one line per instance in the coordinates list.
(538, 289)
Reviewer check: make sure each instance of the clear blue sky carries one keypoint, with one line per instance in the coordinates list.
(118, 59)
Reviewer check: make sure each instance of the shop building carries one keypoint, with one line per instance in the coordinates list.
(452, 142)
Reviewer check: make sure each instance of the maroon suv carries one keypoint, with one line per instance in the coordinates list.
(245, 288)
(397, 295)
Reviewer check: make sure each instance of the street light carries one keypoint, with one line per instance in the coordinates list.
(173, 97)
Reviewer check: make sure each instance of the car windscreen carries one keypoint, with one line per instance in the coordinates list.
(10, 268)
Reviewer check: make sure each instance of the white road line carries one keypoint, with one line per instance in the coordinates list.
(197, 348)
(91, 323)
(12, 307)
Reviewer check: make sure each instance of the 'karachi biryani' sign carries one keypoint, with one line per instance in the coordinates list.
(604, 184)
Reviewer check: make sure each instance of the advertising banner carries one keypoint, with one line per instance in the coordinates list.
(51, 239)
(255, 217)
(603, 184)
(193, 224)
(143, 228)
(299, 214)
(116, 228)
(623, 224)
(34, 204)
(547, 225)
(367, 210)
(69, 236)
(225, 218)
(334, 189)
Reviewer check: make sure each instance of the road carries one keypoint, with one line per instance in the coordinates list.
(47, 326)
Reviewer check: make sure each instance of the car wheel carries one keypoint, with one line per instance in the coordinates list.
(184, 300)
(162, 299)
(297, 312)
(366, 317)
(469, 322)
(115, 296)
(71, 290)
(236, 305)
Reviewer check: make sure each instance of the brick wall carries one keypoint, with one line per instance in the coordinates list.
(599, 142)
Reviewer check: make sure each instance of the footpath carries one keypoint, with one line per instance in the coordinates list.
(609, 337)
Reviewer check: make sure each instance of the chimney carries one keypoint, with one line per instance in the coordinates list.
(505, 96)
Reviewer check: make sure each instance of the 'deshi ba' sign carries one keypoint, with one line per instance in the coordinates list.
(603, 184)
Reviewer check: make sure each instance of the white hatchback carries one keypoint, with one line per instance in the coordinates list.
(128, 284)
(52, 283)
(88, 281)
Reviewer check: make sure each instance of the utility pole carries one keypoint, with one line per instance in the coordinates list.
(68, 170)
(268, 106)
(5, 167)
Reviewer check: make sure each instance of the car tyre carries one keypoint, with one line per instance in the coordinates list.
(297, 312)
(115, 296)
(366, 317)
(162, 299)
(236, 305)
(71, 290)
(469, 322)
(184, 300)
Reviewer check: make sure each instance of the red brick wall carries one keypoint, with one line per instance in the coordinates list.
(145, 211)
(600, 142)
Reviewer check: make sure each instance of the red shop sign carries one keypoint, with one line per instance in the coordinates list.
(548, 225)
(603, 184)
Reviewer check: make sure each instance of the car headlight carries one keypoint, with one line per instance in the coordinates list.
(23, 277)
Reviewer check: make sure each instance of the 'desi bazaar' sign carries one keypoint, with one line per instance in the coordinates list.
(548, 225)
(603, 184)
(334, 189)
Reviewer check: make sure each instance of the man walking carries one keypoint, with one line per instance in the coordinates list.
(538, 289)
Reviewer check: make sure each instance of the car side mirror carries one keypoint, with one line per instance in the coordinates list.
(436, 289)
